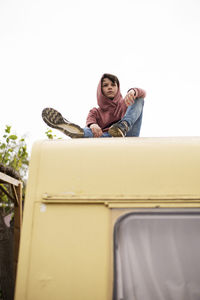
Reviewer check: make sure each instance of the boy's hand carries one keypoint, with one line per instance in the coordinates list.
(96, 130)
(130, 97)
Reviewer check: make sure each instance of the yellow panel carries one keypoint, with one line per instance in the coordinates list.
(70, 248)
(124, 167)
(69, 253)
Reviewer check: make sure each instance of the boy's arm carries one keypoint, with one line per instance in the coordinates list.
(92, 123)
(133, 94)
(139, 93)
(91, 118)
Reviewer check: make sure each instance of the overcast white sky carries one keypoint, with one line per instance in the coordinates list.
(53, 53)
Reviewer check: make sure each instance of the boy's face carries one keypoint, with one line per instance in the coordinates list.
(109, 89)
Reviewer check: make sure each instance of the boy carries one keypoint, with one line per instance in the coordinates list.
(115, 116)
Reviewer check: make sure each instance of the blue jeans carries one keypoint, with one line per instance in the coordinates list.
(133, 117)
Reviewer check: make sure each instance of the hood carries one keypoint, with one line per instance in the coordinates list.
(104, 102)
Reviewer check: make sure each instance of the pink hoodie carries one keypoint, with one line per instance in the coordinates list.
(109, 111)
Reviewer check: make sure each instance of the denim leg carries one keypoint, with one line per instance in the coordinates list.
(135, 129)
(133, 117)
(88, 133)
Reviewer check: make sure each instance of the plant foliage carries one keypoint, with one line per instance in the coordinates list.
(13, 152)
(14, 161)
(50, 135)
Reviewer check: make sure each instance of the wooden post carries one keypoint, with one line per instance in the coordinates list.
(17, 225)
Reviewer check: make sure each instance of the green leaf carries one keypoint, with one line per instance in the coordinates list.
(8, 128)
(3, 146)
(12, 137)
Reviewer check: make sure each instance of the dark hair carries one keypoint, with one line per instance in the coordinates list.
(113, 78)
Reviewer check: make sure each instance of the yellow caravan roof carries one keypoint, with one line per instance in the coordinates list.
(130, 168)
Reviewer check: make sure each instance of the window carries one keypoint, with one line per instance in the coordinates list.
(157, 256)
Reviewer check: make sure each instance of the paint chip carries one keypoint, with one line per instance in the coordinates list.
(43, 207)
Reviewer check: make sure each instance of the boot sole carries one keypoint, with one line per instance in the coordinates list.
(54, 119)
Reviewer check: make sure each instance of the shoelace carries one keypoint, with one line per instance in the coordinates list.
(124, 123)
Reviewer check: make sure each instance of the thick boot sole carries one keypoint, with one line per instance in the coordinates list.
(55, 120)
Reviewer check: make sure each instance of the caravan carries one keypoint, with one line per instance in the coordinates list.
(111, 219)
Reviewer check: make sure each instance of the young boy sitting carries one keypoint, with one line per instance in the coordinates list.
(115, 116)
